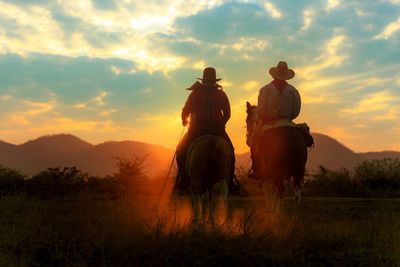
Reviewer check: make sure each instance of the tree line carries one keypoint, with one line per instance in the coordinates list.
(371, 178)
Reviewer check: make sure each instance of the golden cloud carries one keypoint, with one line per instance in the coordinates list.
(389, 30)
(372, 102)
(270, 8)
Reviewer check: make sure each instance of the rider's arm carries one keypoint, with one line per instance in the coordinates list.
(187, 109)
(262, 108)
(226, 108)
(296, 102)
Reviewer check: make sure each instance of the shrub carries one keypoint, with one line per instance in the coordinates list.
(108, 185)
(324, 182)
(57, 182)
(380, 177)
(130, 175)
(11, 181)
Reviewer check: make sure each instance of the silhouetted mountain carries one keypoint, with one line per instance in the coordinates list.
(57, 142)
(331, 154)
(64, 150)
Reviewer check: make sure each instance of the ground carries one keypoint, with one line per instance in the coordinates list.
(134, 231)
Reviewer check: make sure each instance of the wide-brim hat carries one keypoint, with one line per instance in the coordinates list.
(281, 71)
(209, 76)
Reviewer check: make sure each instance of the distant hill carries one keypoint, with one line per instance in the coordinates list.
(331, 154)
(65, 150)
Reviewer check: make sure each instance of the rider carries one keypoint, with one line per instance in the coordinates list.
(206, 111)
(278, 104)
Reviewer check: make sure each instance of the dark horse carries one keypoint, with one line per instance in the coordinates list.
(208, 165)
(281, 153)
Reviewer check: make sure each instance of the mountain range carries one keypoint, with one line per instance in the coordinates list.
(65, 150)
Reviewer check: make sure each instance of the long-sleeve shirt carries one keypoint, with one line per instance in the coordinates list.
(218, 109)
(274, 103)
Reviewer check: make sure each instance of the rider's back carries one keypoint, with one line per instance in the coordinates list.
(274, 103)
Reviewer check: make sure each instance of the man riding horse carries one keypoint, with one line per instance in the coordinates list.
(278, 104)
(206, 112)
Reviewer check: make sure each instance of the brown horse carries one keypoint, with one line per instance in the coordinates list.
(281, 153)
(208, 164)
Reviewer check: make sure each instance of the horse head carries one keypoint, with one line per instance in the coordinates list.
(251, 121)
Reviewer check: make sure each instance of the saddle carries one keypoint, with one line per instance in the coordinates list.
(302, 127)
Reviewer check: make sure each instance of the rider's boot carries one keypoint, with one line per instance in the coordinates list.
(182, 179)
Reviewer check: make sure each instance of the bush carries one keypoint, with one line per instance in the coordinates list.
(57, 182)
(380, 177)
(130, 175)
(11, 181)
(108, 185)
(324, 182)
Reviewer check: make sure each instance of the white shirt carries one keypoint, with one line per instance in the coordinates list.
(272, 103)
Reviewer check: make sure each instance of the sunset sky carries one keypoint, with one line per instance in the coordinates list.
(117, 70)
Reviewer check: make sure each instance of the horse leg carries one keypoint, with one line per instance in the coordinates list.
(268, 192)
(297, 196)
(195, 207)
(224, 193)
(222, 188)
(272, 198)
(297, 183)
(205, 205)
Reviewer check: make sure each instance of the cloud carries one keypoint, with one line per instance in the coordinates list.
(5, 97)
(81, 105)
(19, 119)
(171, 118)
(270, 8)
(372, 102)
(116, 70)
(307, 99)
(307, 17)
(200, 65)
(331, 4)
(250, 44)
(147, 90)
(144, 53)
(99, 99)
(389, 30)
(315, 84)
(107, 112)
(225, 83)
(340, 133)
(329, 58)
(251, 85)
(38, 108)
(390, 115)
(37, 31)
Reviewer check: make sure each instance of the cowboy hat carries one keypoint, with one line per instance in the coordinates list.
(209, 76)
(281, 71)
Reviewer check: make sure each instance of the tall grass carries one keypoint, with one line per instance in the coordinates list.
(79, 232)
(65, 217)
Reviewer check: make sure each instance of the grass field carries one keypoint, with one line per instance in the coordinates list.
(84, 231)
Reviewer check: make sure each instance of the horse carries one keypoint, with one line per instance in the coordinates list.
(208, 165)
(281, 154)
